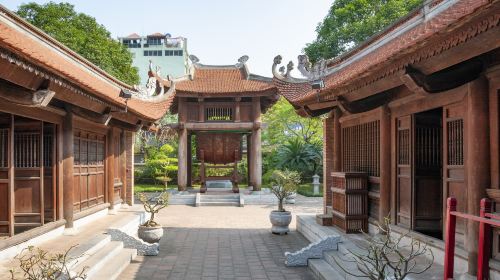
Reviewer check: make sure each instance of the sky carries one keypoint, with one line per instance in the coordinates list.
(217, 31)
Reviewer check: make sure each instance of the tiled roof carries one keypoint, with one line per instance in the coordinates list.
(218, 81)
(38, 48)
(156, 34)
(133, 36)
(348, 68)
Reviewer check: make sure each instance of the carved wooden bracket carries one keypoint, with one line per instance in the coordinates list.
(25, 97)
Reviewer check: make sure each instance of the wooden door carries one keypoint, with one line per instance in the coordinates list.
(4, 177)
(404, 164)
(453, 159)
(427, 187)
(88, 170)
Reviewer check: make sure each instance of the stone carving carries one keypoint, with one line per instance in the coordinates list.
(242, 60)
(312, 251)
(311, 73)
(153, 86)
(143, 248)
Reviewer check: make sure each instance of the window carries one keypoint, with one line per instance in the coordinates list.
(173, 53)
(154, 41)
(361, 148)
(152, 53)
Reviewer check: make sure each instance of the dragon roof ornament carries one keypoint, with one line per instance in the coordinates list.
(310, 72)
(154, 90)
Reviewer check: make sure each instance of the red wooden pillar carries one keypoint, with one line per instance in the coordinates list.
(110, 161)
(123, 165)
(337, 160)
(449, 249)
(182, 149)
(328, 139)
(484, 242)
(68, 161)
(477, 162)
(255, 147)
(189, 161)
(11, 177)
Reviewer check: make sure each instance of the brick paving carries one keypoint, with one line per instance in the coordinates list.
(223, 243)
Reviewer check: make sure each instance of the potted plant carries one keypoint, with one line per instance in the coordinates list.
(151, 231)
(284, 186)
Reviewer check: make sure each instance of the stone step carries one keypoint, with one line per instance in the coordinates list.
(115, 266)
(322, 270)
(96, 262)
(220, 203)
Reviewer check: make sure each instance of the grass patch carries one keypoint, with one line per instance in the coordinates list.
(307, 190)
(151, 188)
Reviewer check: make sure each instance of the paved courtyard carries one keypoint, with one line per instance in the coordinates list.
(223, 243)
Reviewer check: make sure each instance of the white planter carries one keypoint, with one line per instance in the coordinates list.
(280, 221)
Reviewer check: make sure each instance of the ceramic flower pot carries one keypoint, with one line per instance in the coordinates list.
(150, 234)
(280, 221)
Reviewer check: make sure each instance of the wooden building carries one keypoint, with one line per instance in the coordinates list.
(66, 134)
(221, 106)
(416, 109)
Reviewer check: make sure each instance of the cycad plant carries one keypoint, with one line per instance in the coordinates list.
(285, 184)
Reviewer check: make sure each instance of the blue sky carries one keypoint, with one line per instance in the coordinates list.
(218, 31)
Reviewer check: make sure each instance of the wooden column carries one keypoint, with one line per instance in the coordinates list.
(385, 165)
(249, 140)
(494, 85)
(237, 115)
(337, 156)
(110, 162)
(255, 148)
(182, 160)
(11, 176)
(328, 139)
(182, 149)
(201, 110)
(68, 160)
(189, 161)
(477, 161)
(123, 165)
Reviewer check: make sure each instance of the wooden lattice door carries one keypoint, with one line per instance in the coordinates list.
(404, 159)
(88, 170)
(453, 154)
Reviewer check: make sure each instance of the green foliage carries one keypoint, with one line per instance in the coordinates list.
(350, 22)
(300, 156)
(284, 123)
(285, 184)
(308, 190)
(160, 164)
(84, 35)
(139, 188)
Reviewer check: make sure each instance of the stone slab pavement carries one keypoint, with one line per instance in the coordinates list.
(222, 242)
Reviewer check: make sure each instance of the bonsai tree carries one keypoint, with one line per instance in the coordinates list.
(37, 264)
(153, 205)
(285, 185)
(388, 257)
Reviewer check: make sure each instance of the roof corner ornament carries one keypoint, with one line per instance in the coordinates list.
(194, 59)
(155, 84)
(312, 72)
(284, 73)
(242, 60)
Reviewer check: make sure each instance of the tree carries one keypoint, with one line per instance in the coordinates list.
(284, 123)
(84, 35)
(350, 22)
(300, 156)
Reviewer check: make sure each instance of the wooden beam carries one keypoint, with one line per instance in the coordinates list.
(246, 126)
(21, 96)
(91, 115)
(412, 85)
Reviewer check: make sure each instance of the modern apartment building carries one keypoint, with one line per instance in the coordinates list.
(169, 53)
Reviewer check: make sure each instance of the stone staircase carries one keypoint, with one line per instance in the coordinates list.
(327, 267)
(220, 200)
(100, 257)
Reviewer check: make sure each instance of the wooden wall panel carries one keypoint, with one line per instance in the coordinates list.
(403, 172)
